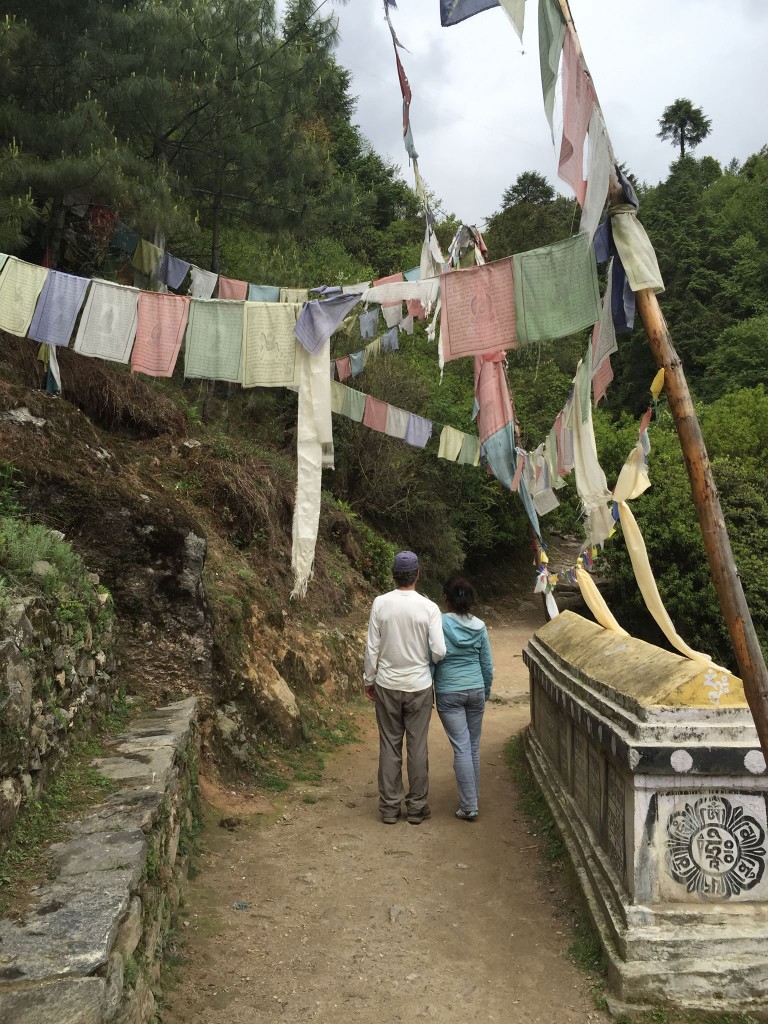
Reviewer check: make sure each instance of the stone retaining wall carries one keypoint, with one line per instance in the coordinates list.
(54, 679)
(90, 948)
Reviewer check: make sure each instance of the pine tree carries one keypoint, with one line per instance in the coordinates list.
(684, 125)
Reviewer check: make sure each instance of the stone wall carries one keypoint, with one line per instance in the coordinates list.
(55, 676)
(90, 948)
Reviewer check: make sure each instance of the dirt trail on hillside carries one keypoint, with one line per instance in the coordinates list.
(349, 920)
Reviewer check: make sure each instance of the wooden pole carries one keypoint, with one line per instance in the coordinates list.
(725, 575)
(717, 544)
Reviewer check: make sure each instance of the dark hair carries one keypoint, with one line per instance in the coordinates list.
(405, 579)
(460, 594)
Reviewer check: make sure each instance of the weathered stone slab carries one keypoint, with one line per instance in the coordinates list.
(130, 930)
(71, 929)
(129, 809)
(103, 851)
(68, 1001)
(171, 724)
(137, 766)
(139, 1006)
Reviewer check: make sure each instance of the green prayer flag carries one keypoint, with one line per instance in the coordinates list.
(470, 451)
(551, 38)
(214, 340)
(584, 384)
(354, 405)
(556, 290)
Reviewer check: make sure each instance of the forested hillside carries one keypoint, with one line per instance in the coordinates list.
(230, 136)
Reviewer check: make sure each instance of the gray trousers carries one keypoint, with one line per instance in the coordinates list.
(402, 714)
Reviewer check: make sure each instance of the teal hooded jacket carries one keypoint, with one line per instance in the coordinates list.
(467, 664)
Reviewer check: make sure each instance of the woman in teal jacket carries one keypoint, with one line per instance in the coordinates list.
(462, 686)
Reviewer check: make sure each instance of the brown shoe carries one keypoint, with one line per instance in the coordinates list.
(416, 817)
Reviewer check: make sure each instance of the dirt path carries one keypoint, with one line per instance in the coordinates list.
(349, 920)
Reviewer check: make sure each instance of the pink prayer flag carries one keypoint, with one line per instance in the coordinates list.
(492, 394)
(601, 378)
(518, 472)
(162, 320)
(375, 414)
(231, 289)
(415, 309)
(478, 310)
(392, 279)
(578, 100)
(645, 421)
(344, 368)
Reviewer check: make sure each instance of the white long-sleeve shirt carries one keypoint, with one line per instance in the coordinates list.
(405, 633)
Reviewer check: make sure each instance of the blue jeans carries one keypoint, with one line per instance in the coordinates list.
(461, 713)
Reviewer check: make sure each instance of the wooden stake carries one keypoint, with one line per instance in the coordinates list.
(717, 544)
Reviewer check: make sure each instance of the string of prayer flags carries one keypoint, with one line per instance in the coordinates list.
(214, 341)
(147, 257)
(451, 441)
(57, 308)
(319, 318)
(579, 100)
(229, 288)
(202, 283)
(375, 415)
(173, 271)
(397, 422)
(161, 322)
(478, 310)
(556, 290)
(108, 324)
(263, 293)
(454, 11)
(494, 405)
(418, 431)
(20, 286)
(269, 346)
(551, 38)
(294, 294)
(515, 11)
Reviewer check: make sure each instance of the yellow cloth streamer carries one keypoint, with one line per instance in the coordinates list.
(658, 383)
(596, 602)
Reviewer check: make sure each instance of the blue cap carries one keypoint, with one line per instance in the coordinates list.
(405, 561)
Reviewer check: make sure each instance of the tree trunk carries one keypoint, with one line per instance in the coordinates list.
(682, 143)
(725, 574)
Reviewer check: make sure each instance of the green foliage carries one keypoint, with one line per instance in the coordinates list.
(532, 214)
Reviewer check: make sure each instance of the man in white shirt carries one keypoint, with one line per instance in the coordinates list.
(405, 635)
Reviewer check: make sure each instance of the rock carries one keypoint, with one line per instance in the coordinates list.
(139, 1006)
(41, 568)
(104, 851)
(308, 878)
(186, 447)
(114, 985)
(129, 933)
(23, 415)
(226, 725)
(10, 801)
(395, 913)
(68, 1001)
(70, 930)
(17, 707)
(137, 765)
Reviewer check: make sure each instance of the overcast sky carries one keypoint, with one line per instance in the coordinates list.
(477, 111)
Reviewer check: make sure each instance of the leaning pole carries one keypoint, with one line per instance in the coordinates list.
(722, 566)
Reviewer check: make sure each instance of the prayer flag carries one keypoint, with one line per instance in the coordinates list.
(269, 344)
(369, 322)
(214, 341)
(392, 279)
(470, 451)
(389, 341)
(162, 320)
(635, 249)
(578, 102)
(556, 290)
(371, 351)
(319, 318)
(600, 164)
(202, 283)
(478, 310)
(551, 36)
(397, 422)
(357, 362)
(263, 293)
(454, 11)
(343, 368)
(492, 395)
(294, 294)
(451, 441)
(173, 271)
(515, 11)
(375, 414)
(418, 431)
(232, 289)
(20, 286)
(354, 405)
(147, 257)
(337, 397)
(108, 324)
(412, 275)
(57, 308)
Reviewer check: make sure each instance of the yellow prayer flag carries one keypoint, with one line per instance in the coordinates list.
(543, 560)
(657, 384)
